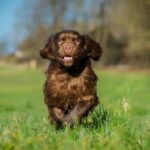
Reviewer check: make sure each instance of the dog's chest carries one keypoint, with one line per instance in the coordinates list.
(64, 86)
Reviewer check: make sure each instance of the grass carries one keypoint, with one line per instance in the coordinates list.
(121, 122)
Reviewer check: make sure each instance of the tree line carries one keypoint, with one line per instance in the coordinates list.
(121, 27)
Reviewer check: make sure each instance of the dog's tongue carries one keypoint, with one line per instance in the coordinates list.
(67, 58)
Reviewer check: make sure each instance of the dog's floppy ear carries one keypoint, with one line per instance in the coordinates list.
(47, 51)
(93, 49)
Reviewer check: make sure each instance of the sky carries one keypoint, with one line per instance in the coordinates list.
(8, 10)
(8, 19)
(8, 14)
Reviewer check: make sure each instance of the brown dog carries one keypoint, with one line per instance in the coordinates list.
(70, 87)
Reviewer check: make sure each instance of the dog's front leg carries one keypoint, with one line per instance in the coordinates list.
(79, 111)
(56, 115)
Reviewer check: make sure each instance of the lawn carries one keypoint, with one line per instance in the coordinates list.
(121, 122)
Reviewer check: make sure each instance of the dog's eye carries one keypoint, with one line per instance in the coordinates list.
(74, 39)
(61, 40)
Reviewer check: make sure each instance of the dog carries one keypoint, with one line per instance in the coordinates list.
(70, 86)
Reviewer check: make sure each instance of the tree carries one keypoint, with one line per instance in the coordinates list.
(130, 19)
(139, 31)
(3, 47)
(121, 27)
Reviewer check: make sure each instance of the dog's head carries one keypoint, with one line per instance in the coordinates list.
(68, 47)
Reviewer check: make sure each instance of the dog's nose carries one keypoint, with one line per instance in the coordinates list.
(68, 48)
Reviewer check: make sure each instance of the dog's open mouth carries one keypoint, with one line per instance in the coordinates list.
(67, 61)
(67, 58)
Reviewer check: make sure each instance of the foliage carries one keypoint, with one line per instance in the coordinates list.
(131, 20)
(122, 27)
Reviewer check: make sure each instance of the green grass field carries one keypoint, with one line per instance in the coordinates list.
(122, 122)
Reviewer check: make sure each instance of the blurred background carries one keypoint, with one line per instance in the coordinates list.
(121, 27)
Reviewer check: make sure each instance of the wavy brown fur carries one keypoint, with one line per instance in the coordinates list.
(70, 87)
